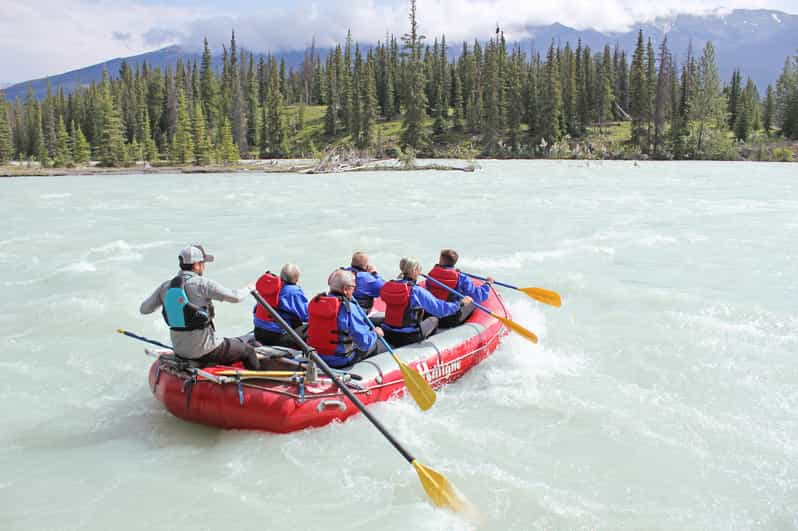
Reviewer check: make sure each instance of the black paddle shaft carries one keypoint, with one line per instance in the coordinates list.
(310, 352)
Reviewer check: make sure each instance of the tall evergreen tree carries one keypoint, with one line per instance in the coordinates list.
(275, 131)
(81, 151)
(769, 110)
(708, 106)
(651, 92)
(458, 114)
(413, 134)
(228, 151)
(662, 99)
(202, 142)
(368, 115)
(6, 143)
(515, 110)
(551, 123)
(112, 150)
(238, 117)
(734, 92)
(183, 143)
(63, 151)
(638, 92)
(532, 104)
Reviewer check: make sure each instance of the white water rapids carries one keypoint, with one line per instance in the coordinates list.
(662, 395)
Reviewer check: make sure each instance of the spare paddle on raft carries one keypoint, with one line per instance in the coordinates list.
(552, 298)
(512, 325)
(142, 338)
(437, 487)
(419, 388)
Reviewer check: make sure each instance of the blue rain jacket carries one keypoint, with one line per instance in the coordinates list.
(293, 307)
(421, 298)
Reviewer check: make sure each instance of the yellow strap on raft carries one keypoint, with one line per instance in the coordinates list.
(261, 374)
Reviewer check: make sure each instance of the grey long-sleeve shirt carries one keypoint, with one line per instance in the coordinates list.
(193, 344)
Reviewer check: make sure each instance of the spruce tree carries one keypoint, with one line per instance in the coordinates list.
(604, 96)
(252, 104)
(202, 141)
(6, 144)
(368, 113)
(490, 121)
(275, 130)
(734, 92)
(742, 122)
(708, 106)
(515, 110)
(413, 134)
(651, 92)
(533, 103)
(112, 151)
(551, 123)
(457, 101)
(238, 118)
(638, 92)
(150, 148)
(228, 151)
(209, 91)
(663, 98)
(183, 143)
(769, 110)
(81, 151)
(63, 151)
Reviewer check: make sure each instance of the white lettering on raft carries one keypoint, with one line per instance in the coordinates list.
(439, 371)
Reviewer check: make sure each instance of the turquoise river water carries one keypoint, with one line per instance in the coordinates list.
(662, 395)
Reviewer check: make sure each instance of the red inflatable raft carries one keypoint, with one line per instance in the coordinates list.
(230, 397)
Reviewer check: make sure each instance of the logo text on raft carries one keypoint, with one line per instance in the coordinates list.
(439, 371)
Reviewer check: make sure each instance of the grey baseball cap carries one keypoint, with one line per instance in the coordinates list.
(195, 253)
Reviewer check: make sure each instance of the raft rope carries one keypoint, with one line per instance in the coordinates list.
(182, 368)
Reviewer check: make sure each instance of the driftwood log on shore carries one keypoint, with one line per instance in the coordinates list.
(347, 160)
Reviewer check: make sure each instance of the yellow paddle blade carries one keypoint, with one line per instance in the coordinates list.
(517, 328)
(419, 388)
(545, 296)
(439, 489)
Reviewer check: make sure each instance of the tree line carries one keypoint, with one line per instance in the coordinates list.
(502, 99)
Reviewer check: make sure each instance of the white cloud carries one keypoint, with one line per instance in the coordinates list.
(41, 37)
(47, 37)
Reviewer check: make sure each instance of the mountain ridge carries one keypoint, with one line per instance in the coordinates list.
(756, 40)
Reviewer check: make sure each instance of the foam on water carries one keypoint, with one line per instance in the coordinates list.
(661, 395)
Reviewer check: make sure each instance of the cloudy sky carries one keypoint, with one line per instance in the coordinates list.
(47, 37)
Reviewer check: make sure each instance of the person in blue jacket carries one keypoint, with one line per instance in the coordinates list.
(337, 328)
(406, 305)
(369, 282)
(445, 273)
(291, 303)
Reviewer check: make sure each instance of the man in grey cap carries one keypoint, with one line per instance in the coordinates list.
(187, 302)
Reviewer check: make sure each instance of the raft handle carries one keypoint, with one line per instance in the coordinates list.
(324, 403)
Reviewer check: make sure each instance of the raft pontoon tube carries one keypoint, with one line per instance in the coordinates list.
(295, 398)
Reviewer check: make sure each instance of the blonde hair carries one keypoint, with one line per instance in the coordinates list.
(409, 265)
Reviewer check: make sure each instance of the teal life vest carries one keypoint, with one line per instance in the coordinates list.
(179, 312)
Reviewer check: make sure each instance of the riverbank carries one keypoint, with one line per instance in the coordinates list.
(34, 169)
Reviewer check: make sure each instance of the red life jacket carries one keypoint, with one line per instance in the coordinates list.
(268, 286)
(447, 276)
(398, 314)
(323, 333)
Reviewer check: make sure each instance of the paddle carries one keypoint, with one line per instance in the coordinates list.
(142, 338)
(437, 487)
(419, 388)
(545, 296)
(515, 327)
